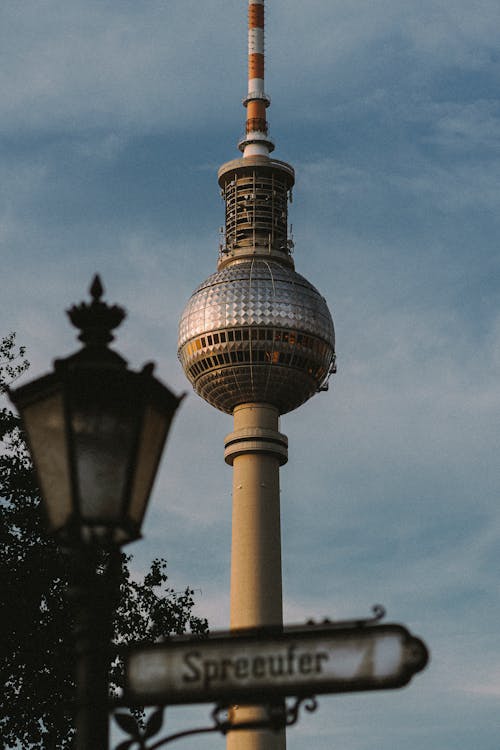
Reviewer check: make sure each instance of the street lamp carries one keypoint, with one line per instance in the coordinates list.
(96, 431)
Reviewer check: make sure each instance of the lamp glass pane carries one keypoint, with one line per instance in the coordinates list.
(154, 432)
(45, 425)
(104, 420)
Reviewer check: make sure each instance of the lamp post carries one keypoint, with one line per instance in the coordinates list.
(96, 431)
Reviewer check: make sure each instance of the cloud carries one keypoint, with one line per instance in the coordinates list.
(75, 66)
(490, 688)
(467, 126)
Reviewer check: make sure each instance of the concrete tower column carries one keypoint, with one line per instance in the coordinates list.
(256, 449)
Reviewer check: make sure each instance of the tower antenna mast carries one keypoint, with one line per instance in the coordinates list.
(256, 140)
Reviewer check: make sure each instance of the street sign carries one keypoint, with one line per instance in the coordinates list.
(252, 666)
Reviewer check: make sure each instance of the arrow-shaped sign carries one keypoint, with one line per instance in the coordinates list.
(261, 664)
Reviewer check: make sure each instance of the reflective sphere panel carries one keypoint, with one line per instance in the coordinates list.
(256, 331)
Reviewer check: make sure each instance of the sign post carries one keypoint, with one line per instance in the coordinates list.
(264, 665)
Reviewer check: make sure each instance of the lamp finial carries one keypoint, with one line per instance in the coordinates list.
(97, 319)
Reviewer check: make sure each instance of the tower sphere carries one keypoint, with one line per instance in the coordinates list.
(256, 331)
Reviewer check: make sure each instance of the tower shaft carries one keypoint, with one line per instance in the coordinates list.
(256, 450)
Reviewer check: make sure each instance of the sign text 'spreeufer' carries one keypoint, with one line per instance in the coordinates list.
(259, 665)
(279, 664)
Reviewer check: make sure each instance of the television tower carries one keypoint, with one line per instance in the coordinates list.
(256, 340)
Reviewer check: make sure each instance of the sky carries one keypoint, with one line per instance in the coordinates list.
(114, 117)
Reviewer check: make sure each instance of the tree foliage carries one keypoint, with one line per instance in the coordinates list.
(36, 656)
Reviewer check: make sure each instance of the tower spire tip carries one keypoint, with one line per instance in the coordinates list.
(256, 141)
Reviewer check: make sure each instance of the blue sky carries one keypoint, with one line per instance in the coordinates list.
(114, 119)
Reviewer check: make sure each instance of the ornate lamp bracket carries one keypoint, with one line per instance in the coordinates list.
(279, 715)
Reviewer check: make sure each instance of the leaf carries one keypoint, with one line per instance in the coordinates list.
(154, 723)
(128, 724)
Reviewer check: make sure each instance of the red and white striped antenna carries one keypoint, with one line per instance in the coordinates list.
(256, 141)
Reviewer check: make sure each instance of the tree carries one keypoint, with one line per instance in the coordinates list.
(36, 656)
